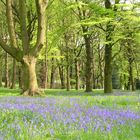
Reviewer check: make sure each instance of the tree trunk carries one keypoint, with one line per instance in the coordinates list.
(46, 70)
(43, 75)
(89, 69)
(1, 72)
(68, 78)
(76, 74)
(93, 75)
(30, 85)
(20, 75)
(52, 74)
(6, 71)
(108, 69)
(100, 67)
(62, 79)
(71, 75)
(14, 74)
(131, 78)
(108, 53)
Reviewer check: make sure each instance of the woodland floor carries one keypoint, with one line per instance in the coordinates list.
(74, 115)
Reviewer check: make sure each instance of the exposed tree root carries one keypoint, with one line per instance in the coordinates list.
(29, 92)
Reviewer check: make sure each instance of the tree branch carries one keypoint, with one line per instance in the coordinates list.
(14, 52)
(41, 6)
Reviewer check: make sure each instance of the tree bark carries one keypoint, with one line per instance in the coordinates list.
(6, 71)
(108, 69)
(76, 74)
(68, 78)
(46, 74)
(62, 79)
(131, 83)
(101, 80)
(1, 72)
(20, 77)
(89, 68)
(43, 75)
(71, 75)
(52, 74)
(30, 85)
(14, 75)
(108, 54)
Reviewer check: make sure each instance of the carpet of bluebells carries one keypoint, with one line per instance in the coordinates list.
(70, 118)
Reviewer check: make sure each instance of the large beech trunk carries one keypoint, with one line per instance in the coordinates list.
(30, 85)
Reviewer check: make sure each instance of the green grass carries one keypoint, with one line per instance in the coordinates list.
(63, 92)
(9, 92)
